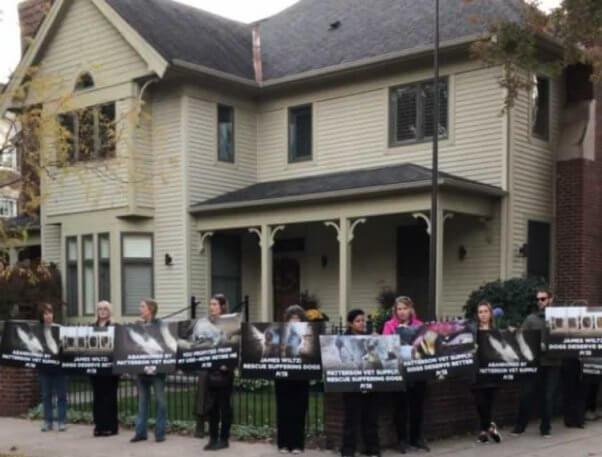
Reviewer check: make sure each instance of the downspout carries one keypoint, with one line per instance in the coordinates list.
(257, 67)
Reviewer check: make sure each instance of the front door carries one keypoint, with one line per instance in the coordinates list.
(413, 265)
(286, 285)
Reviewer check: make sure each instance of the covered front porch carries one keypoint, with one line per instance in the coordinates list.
(344, 247)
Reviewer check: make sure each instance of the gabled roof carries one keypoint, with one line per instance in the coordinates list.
(391, 179)
(181, 32)
(300, 38)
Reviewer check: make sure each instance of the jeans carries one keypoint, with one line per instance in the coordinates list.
(54, 384)
(409, 403)
(361, 412)
(144, 400)
(292, 399)
(541, 387)
(484, 400)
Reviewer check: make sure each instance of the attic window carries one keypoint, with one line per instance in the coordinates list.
(335, 25)
(84, 81)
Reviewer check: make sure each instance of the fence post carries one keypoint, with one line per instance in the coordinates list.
(193, 305)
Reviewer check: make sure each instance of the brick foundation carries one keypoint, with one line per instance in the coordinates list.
(19, 390)
(449, 410)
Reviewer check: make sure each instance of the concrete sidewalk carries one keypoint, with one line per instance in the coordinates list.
(22, 438)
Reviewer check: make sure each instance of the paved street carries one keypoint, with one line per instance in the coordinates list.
(22, 438)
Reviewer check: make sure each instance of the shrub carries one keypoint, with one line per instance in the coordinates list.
(516, 297)
(23, 288)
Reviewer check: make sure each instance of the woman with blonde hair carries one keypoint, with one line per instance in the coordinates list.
(104, 387)
(410, 401)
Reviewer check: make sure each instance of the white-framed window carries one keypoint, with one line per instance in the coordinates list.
(71, 275)
(104, 266)
(136, 270)
(8, 157)
(225, 133)
(88, 274)
(540, 108)
(8, 207)
(299, 133)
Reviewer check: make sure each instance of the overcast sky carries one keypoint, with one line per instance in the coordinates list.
(242, 10)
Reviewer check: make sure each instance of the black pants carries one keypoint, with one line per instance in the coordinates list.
(484, 400)
(104, 403)
(361, 410)
(221, 411)
(292, 398)
(410, 402)
(543, 389)
(573, 393)
(591, 402)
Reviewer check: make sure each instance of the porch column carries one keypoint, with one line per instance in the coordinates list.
(266, 240)
(345, 229)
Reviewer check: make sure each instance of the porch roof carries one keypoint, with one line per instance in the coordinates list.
(385, 180)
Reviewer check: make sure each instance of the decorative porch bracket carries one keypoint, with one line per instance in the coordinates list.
(266, 235)
(427, 219)
(204, 236)
(352, 226)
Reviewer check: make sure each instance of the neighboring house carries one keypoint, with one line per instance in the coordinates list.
(290, 155)
(14, 247)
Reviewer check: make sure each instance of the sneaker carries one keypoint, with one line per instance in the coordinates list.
(46, 427)
(483, 438)
(494, 433)
(516, 431)
(283, 450)
(591, 416)
(546, 435)
(221, 444)
(421, 444)
(137, 438)
(296, 451)
(159, 439)
(210, 446)
(62, 427)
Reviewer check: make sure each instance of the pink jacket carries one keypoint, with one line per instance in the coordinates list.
(391, 325)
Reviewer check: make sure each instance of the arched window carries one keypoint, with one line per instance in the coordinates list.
(84, 81)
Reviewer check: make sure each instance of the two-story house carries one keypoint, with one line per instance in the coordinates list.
(288, 155)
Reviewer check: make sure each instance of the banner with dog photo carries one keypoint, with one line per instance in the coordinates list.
(438, 350)
(574, 331)
(30, 344)
(506, 355)
(209, 342)
(145, 349)
(592, 369)
(87, 349)
(281, 350)
(361, 363)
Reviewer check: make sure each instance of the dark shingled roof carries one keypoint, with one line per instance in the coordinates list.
(365, 179)
(299, 38)
(183, 32)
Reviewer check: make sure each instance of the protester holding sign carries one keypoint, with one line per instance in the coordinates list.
(359, 407)
(104, 388)
(148, 313)
(484, 393)
(545, 383)
(52, 380)
(219, 382)
(292, 398)
(410, 401)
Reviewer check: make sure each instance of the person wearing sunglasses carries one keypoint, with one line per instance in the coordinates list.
(543, 386)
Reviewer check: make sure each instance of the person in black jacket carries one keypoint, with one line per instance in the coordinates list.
(220, 383)
(361, 408)
(543, 386)
(104, 387)
(292, 399)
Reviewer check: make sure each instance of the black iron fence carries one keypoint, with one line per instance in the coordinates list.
(254, 401)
